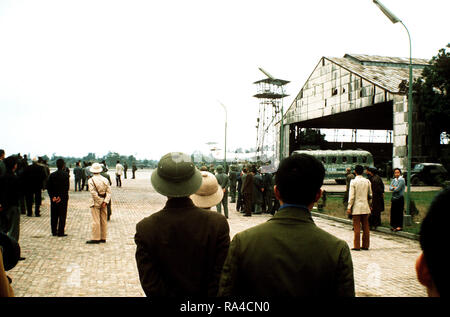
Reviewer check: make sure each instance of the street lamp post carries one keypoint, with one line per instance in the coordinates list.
(225, 146)
(394, 19)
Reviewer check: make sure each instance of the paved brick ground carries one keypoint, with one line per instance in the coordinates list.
(66, 266)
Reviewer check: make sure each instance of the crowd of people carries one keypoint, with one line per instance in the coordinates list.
(21, 187)
(364, 201)
(286, 256)
(185, 248)
(247, 185)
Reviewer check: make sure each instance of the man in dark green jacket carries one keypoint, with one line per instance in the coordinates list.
(289, 255)
(180, 249)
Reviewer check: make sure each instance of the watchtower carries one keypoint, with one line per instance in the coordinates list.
(270, 92)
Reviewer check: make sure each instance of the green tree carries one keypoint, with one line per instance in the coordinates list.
(89, 158)
(431, 99)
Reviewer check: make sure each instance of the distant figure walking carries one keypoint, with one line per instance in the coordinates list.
(101, 195)
(233, 175)
(119, 172)
(78, 174)
(397, 201)
(125, 169)
(34, 177)
(58, 192)
(134, 169)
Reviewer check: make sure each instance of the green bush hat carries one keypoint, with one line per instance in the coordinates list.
(219, 168)
(176, 176)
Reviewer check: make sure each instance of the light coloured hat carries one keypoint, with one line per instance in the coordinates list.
(96, 168)
(176, 176)
(209, 194)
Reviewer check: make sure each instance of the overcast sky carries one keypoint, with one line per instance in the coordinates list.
(145, 77)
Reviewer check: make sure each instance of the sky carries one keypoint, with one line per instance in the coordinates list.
(146, 78)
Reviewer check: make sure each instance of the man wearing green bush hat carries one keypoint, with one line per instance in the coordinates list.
(181, 248)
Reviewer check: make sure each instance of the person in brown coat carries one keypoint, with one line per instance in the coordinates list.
(181, 248)
(377, 205)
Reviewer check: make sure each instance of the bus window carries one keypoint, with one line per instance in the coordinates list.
(344, 159)
(333, 160)
(364, 159)
(324, 160)
(355, 159)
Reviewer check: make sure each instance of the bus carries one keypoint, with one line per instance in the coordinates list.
(336, 161)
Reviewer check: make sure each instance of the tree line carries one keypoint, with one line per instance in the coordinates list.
(110, 159)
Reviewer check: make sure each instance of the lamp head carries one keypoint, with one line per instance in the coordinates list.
(266, 73)
(386, 12)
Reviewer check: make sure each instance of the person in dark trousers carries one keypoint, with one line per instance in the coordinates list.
(432, 265)
(105, 174)
(58, 192)
(258, 191)
(83, 175)
(34, 177)
(359, 202)
(377, 206)
(289, 256)
(233, 174)
(10, 192)
(133, 170)
(78, 173)
(224, 182)
(240, 201)
(2, 165)
(268, 192)
(21, 166)
(125, 169)
(180, 250)
(397, 201)
(247, 192)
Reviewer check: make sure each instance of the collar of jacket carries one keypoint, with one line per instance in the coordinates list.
(179, 202)
(293, 213)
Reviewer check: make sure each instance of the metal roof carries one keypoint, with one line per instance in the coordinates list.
(386, 72)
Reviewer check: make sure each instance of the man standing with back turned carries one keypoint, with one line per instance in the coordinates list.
(359, 201)
(289, 255)
(180, 249)
(58, 192)
(119, 172)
